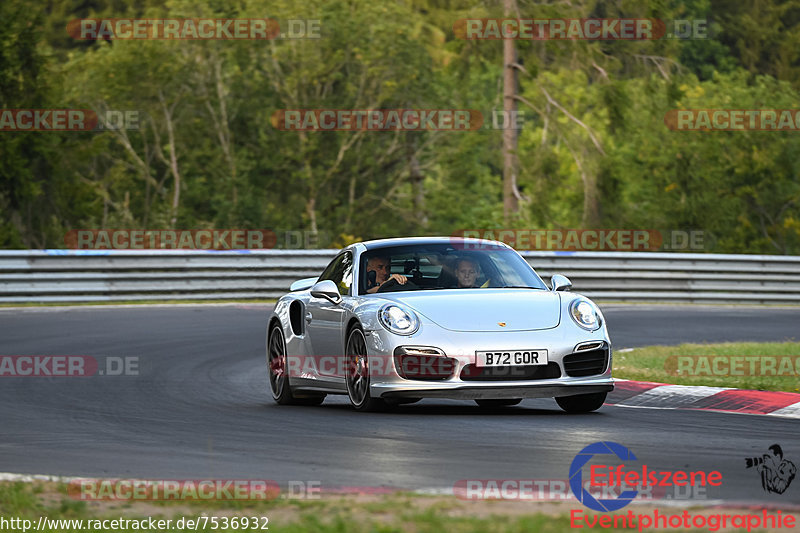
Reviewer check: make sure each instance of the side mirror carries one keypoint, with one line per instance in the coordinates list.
(302, 284)
(560, 283)
(328, 290)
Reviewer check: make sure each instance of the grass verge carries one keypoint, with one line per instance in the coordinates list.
(773, 366)
(384, 513)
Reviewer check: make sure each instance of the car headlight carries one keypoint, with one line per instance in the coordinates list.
(585, 315)
(398, 320)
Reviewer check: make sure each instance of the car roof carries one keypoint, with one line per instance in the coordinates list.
(405, 241)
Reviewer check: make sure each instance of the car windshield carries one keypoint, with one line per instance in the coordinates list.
(445, 266)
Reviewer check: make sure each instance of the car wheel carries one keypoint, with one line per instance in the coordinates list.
(582, 403)
(278, 376)
(498, 402)
(357, 375)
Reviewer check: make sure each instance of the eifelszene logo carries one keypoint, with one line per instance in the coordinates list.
(619, 477)
(776, 472)
(576, 476)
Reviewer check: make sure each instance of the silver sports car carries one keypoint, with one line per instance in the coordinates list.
(396, 320)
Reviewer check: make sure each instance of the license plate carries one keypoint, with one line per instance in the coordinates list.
(511, 358)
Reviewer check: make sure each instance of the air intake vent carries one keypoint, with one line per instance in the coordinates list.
(586, 363)
(423, 363)
(296, 317)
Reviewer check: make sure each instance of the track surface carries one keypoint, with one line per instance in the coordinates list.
(200, 408)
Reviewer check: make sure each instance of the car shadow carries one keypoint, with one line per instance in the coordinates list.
(438, 409)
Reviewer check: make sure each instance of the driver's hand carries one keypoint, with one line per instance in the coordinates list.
(399, 278)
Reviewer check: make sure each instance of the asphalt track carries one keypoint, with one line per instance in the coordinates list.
(199, 408)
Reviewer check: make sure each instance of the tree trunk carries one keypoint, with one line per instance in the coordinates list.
(510, 162)
(173, 162)
(223, 130)
(311, 211)
(311, 201)
(591, 196)
(417, 177)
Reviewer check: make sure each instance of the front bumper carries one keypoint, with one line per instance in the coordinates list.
(488, 391)
(561, 343)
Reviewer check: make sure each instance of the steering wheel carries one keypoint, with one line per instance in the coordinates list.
(394, 286)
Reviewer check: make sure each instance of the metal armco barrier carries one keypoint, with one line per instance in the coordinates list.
(86, 276)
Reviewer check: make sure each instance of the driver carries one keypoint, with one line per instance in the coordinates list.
(382, 266)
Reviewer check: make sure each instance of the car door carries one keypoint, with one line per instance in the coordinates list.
(325, 320)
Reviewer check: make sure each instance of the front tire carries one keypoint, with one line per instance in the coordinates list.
(498, 402)
(582, 403)
(278, 375)
(357, 377)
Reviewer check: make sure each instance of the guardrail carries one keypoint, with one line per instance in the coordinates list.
(128, 275)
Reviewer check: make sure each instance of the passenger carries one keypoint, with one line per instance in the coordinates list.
(466, 273)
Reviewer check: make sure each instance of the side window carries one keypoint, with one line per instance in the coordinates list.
(340, 271)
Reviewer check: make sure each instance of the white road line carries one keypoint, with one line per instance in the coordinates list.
(436, 491)
(27, 478)
(716, 411)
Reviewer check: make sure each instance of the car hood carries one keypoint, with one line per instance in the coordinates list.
(485, 309)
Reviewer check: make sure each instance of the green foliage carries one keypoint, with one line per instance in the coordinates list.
(594, 150)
